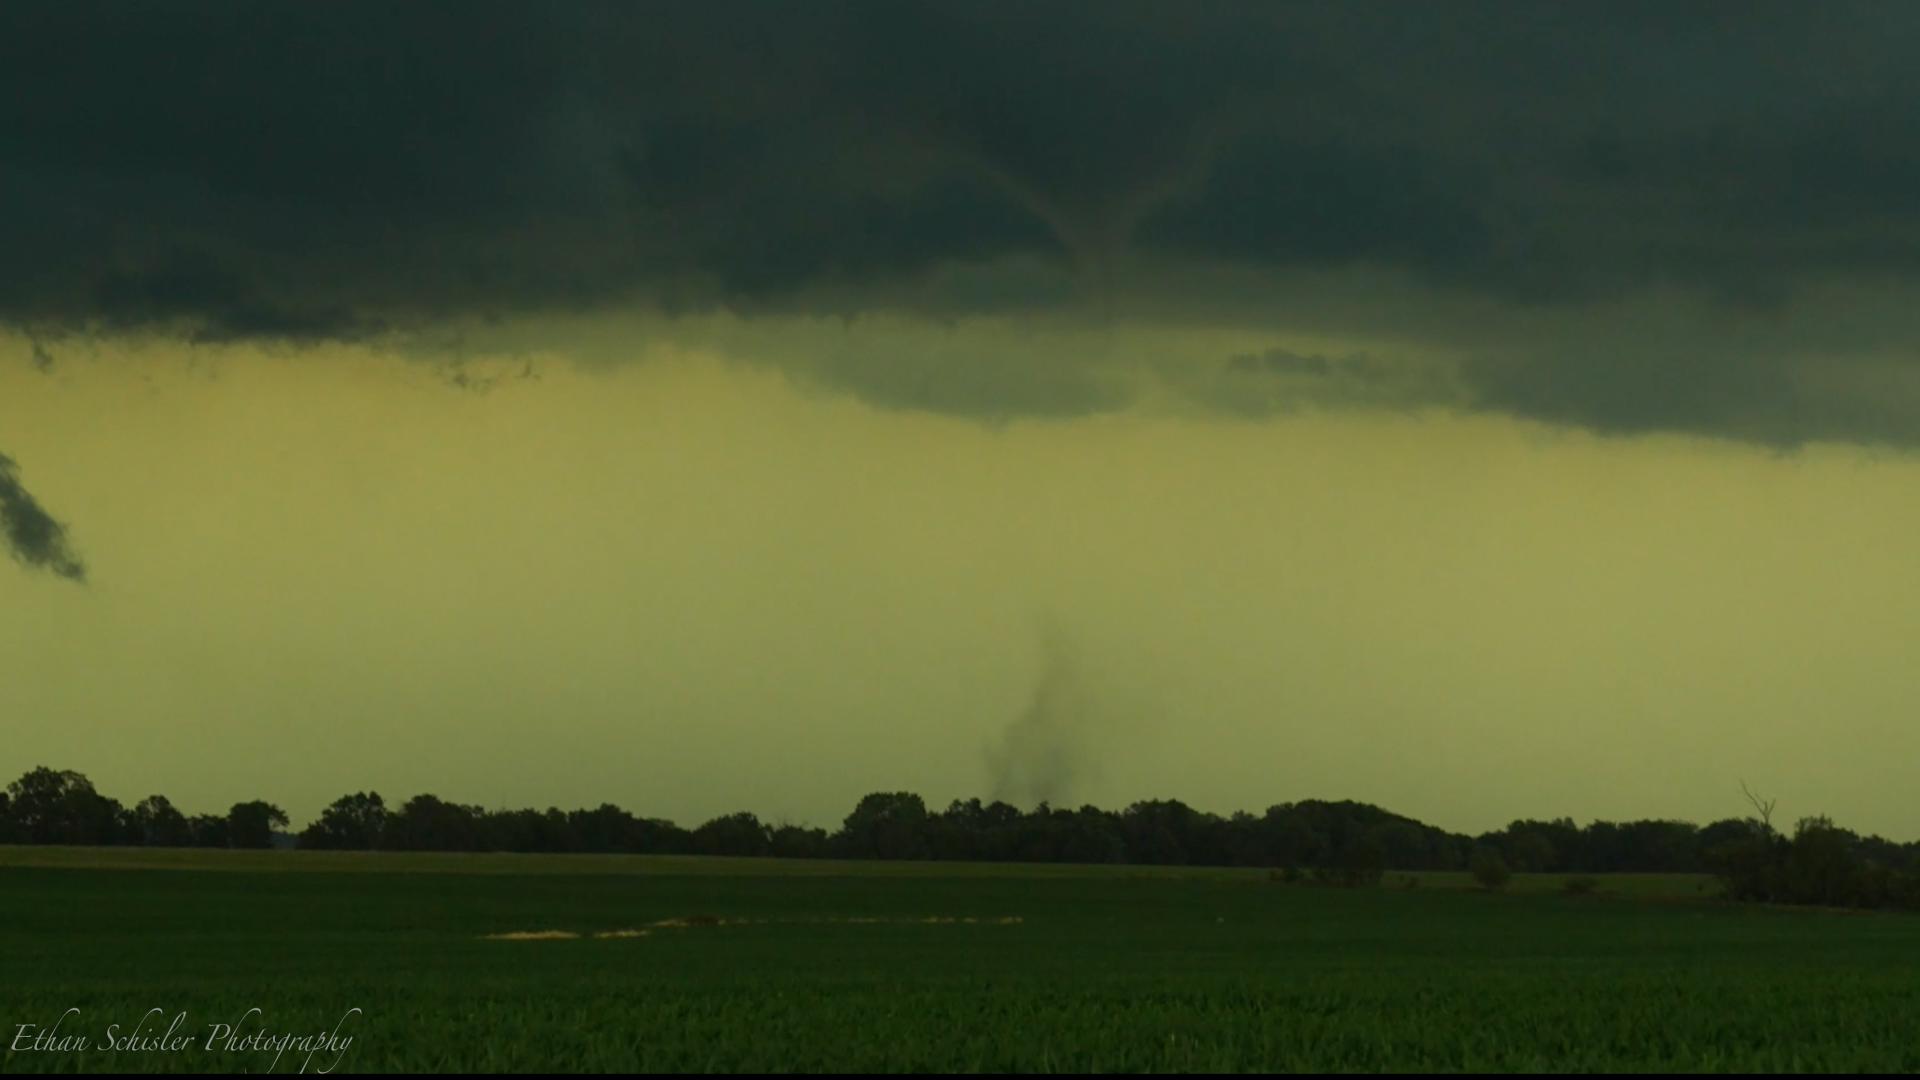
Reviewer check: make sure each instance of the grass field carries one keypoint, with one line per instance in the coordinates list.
(770, 965)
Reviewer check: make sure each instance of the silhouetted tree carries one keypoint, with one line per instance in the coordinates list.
(885, 825)
(1527, 849)
(160, 825)
(1364, 861)
(733, 834)
(426, 823)
(1822, 868)
(353, 823)
(1489, 869)
(250, 824)
(209, 831)
(1156, 831)
(795, 842)
(1089, 835)
(1719, 834)
(1290, 839)
(49, 807)
(606, 828)
(659, 836)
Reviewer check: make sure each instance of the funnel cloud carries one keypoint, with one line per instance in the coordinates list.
(1041, 755)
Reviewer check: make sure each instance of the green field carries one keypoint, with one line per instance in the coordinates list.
(767, 965)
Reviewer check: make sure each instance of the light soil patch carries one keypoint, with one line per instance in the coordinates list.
(683, 922)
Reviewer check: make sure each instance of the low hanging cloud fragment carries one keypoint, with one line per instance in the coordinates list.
(33, 536)
(1281, 380)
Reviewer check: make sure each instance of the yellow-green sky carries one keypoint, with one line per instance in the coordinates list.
(690, 584)
(1491, 410)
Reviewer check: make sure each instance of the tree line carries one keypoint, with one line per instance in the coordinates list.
(61, 807)
(1347, 841)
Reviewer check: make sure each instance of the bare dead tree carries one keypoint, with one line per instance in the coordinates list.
(1763, 807)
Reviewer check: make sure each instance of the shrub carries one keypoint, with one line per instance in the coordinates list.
(1364, 862)
(1749, 867)
(1489, 869)
(1355, 876)
(1821, 864)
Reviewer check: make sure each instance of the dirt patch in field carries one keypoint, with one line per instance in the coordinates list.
(534, 935)
(686, 921)
(835, 920)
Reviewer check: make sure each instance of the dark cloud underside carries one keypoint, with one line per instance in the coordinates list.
(299, 172)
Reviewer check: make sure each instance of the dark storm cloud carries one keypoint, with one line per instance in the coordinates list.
(32, 534)
(302, 172)
(306, 172)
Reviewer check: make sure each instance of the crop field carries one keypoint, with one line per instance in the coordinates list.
(624, 963)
